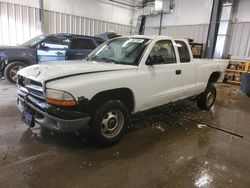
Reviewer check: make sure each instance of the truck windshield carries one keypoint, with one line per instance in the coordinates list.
(34, 41)
(121, 50)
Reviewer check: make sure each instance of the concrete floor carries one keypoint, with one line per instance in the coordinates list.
(161, 149)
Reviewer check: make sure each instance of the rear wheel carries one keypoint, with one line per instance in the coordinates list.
(109, 123)
(206, 100)
(11, 70)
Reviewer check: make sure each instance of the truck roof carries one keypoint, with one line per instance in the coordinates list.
(156, 37)
(75, 35)
(151, 36)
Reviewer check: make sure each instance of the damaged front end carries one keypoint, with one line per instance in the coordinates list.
(31, 102)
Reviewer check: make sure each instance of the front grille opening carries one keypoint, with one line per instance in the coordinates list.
(20, 80)
(33, 82)
(36, 93)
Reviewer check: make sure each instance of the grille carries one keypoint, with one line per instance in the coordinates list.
(33, 87)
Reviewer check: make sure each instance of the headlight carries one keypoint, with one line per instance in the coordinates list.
(60, 98)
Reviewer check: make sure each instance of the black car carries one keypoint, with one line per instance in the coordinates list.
(44, 48)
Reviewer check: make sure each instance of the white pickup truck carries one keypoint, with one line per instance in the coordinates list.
(123, 76)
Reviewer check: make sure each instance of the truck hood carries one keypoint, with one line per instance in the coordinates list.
(55, 70)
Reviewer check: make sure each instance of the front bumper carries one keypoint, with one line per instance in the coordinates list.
(51, 122)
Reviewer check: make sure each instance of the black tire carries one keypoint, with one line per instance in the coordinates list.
(206, 100)
(104, 114)
(12, 69)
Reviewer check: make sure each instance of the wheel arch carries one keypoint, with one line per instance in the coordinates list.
(214, 77)
(23, 60)
(123, 94)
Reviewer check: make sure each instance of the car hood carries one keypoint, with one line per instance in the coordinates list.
(8, 48)
(55, 70)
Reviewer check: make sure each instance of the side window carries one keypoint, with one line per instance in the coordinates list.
(183, 52)
(81, 44)
(56, 43)
(163, 52)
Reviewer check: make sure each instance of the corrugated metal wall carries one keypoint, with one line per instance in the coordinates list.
(196, 32)
(17, 23)
(239, 45)
(64, 23)
(240, 40)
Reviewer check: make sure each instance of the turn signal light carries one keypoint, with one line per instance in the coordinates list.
(60, 102)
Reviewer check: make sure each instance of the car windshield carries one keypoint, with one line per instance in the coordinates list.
(121, 50)
(34, 41)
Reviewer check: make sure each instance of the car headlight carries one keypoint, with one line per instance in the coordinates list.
(60, 98)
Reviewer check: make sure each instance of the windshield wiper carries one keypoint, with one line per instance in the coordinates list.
(88, 58)
(108, 60)
(124, 63)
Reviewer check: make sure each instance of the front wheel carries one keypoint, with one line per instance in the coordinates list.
(109, 123)
(11, 70)
(206, 100)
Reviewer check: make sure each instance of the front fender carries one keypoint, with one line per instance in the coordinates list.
(27, 56)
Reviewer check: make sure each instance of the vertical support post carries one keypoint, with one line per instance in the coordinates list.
(223, 37)
(41, 12)
(213, 29)
(142, 26)
(160, 22)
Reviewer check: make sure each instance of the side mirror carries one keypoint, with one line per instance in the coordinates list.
(150, 61)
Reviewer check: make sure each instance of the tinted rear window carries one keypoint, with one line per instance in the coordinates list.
(78, 43)
(183, 51)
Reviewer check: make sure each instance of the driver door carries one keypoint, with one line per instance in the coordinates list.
(53, 49)
(161, 81)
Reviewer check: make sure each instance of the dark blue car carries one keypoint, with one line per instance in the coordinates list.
(56, 47)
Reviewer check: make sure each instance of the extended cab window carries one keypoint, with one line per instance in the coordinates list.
(163, 52)
(56, 43)
(183, 51)
(81, 44)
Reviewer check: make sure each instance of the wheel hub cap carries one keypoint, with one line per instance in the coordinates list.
(112, 123)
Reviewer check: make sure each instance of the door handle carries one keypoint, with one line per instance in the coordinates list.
(59, 53)
(178, 72)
